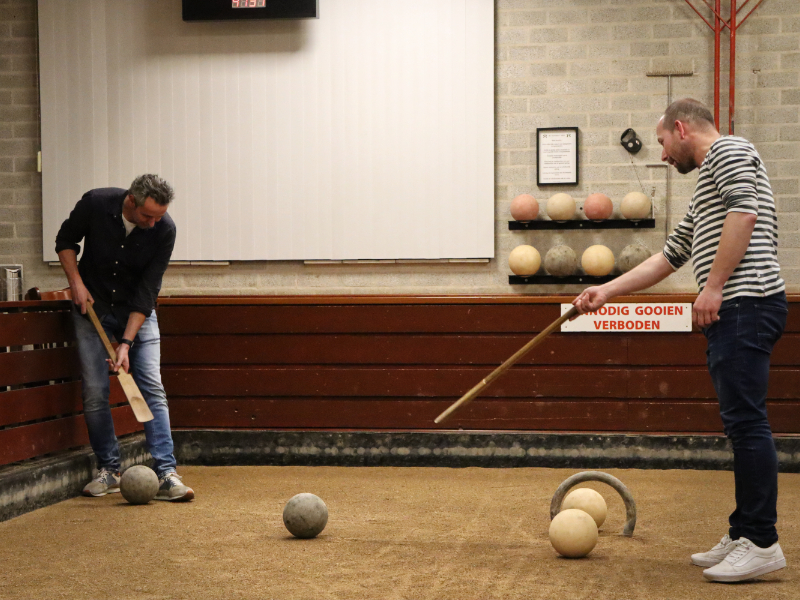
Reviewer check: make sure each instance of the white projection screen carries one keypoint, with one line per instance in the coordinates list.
(365, 134)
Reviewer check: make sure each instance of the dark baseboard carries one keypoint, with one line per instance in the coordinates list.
(40, 482)
(33, 484)
(462, 449)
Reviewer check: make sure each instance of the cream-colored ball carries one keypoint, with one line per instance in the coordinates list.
(597, 260)
(561, 207)
(524, 208)
(597, 207)
(573, 533)
(560, 261)
(524, 260)
(589, 501)
(632, 256)
(635, 206)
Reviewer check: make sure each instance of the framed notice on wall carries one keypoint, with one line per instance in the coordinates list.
(557, 156)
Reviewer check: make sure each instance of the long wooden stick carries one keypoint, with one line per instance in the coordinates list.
(502, 368)
(138, 404)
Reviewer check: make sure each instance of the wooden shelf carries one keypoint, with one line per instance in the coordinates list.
(550, 280)
(583, 224)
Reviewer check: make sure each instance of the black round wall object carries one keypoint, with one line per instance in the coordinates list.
(630, 141)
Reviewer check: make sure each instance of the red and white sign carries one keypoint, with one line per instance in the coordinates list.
(633, 318)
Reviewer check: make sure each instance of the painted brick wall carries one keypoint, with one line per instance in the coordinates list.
(568, 62)
(20, 184)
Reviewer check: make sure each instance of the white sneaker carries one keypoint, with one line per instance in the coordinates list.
(747, 561)
(716, 555)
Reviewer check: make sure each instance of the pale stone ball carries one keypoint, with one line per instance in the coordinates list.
(573, 533)
(635, 206)
(589, 501)
(305, 515)
(631, 256)
(561, 207)
(597, 260)
(524, 208)
(524, 260)
(560, 261)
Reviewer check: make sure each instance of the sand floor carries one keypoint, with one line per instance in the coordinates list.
(393, 533)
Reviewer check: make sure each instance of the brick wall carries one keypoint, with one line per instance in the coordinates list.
(584, 63)
(20, 184)
(567, 63)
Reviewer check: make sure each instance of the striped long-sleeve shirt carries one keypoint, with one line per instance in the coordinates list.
(732, 178)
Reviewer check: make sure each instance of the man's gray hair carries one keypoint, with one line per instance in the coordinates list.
(151, 186)
(687, 110)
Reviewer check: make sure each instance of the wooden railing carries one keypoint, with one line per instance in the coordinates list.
(396, 362)
(40, 388)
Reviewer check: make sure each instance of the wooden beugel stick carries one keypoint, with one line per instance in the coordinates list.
(140, 409)
(572, 312)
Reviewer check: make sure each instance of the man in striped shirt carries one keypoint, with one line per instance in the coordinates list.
(730, 233)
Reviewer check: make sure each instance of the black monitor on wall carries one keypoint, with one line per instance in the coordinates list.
(225, 10)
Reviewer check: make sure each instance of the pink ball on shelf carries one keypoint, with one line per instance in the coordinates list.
(524, 208)
(598, 207)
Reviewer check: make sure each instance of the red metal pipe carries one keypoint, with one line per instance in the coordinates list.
(717, 32)
(712, 9)
(698, 13)
(750, 13)
(732, 51)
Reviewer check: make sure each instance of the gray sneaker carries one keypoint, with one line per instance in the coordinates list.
(716, 555)
(106, 482)
(171, 488)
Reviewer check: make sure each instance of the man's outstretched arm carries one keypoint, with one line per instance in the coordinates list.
(645, 275)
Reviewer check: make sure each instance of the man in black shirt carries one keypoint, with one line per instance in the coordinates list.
(128, 239)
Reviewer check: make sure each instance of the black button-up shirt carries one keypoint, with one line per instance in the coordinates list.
(123, 274)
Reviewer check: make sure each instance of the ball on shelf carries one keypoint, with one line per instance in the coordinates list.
(524, 208)
(597, 207)
(589, 501)
(560, 261)
(635, 206)
(305, 515)
(561, 207)
(597, 260)
(524, 260)
(631, 256)
(139, 484)
(573, 533)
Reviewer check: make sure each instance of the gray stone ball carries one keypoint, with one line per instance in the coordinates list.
(305, 515)
(139, 484)
(561, 261)
(631, 256)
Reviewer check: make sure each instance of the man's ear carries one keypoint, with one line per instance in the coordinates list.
(680, 127)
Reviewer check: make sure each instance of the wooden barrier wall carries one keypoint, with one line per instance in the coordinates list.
(40, 388)
(383, 363)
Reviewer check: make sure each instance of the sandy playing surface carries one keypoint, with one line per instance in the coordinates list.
(410, 533)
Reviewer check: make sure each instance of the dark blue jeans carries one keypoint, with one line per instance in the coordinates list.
(739, 349)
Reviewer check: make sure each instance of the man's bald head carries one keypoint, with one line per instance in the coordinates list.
(687, 110)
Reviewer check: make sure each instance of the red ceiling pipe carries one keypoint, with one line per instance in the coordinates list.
(732, 26)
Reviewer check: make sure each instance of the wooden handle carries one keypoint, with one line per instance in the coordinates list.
(102, 332)
(506, 365)
(138, 404)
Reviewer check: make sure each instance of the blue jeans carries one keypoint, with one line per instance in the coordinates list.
(145, 360)
(739, 349)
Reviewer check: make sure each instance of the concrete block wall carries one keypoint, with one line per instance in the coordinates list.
(577, 63)
(20, 184)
